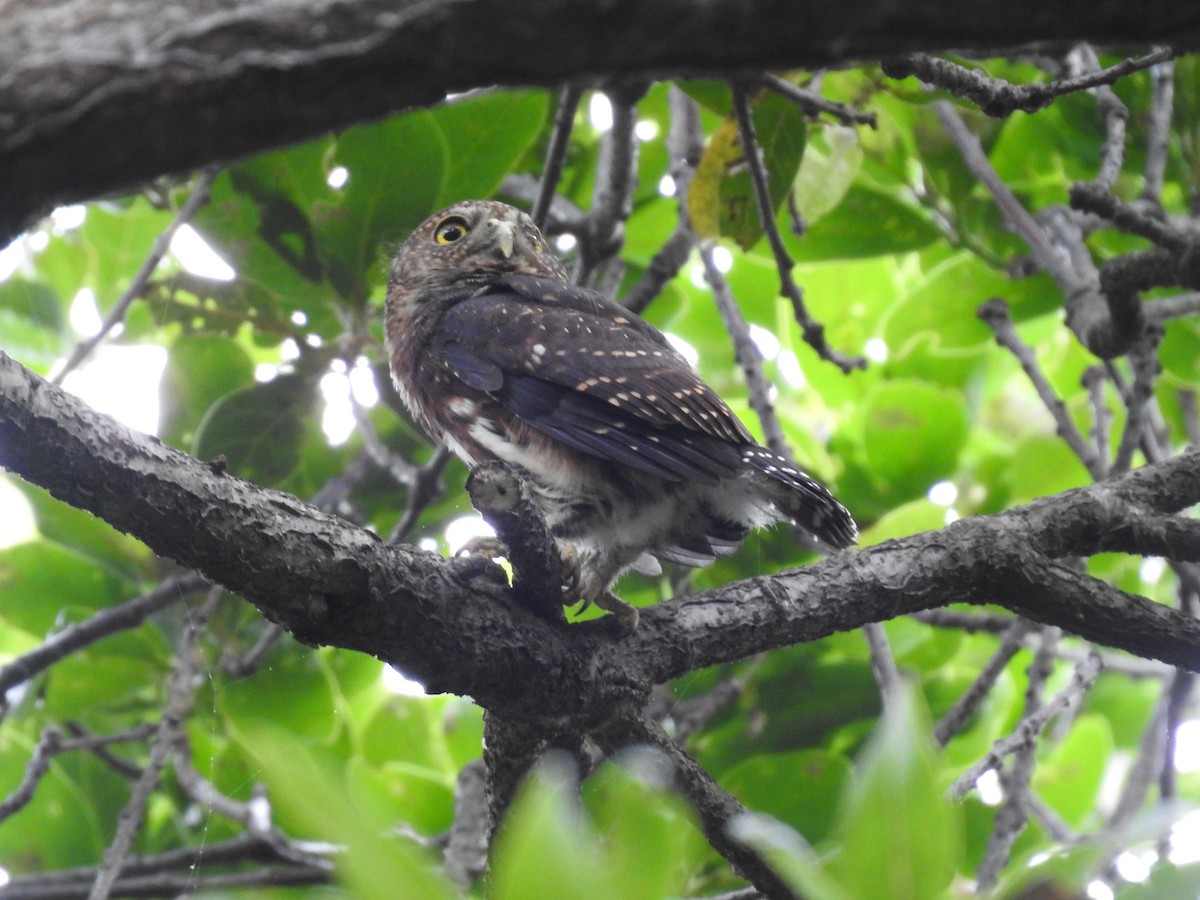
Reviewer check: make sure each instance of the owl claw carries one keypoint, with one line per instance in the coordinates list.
(626, 615)
(592, 590)
(484, 545)
(572, 573)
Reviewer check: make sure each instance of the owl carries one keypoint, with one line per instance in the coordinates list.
(631, 458)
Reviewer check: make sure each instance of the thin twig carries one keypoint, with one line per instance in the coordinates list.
(749, 357)
(813, 104)
(141, 279)
(1013, 814)
(812, 331)
(556, 152)
(1115, 115)
(1143, 358)
(121, 617)
(179, 700)
(1162, 309)
(1030, 728)
(714, 806)
(883, 664)
(1094, 380)
(996, 97)
(98, 745)
(995, 313)
(612, 196)
(685, 144)
(953, 721)
(426, 486)
(1158, 130)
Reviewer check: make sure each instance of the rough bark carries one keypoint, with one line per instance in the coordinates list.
(455, 625)
(97, 97)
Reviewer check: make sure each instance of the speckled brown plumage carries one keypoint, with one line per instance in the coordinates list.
(632, 458)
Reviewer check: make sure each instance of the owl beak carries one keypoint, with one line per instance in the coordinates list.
(502, 235)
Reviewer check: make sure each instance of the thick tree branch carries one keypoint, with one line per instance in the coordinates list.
(455, 625)
(218, 79)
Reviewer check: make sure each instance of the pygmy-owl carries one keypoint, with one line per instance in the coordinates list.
(629, 455)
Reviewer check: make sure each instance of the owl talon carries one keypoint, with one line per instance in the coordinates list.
(571, 573)
(592, 591)
(484, 545)
(626, 615)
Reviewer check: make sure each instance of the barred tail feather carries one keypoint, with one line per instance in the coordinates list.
(805, 501)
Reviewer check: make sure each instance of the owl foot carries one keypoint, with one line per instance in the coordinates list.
(592, 590)
(484, 545)
(626, 615)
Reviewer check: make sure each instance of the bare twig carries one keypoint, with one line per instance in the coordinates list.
(1028, 730)
(1115, 115)
(1094, 380)
(1013, 814)
(953, 721)
(995, 313)
(749, 357)
(997, 97)
(1095, 198)
(715, 807)
(1161, 309)
(247, 664)
(883, 663)
(141, 279)
(98, 745)
(812, 330)
(179, 699)
(465, 853)
(813, 104)
(426, 485)
(1143, 358)
(1158, 130)
(556, 152)
(685, 143)
(174, 872)
(616, 169)
(121, 617)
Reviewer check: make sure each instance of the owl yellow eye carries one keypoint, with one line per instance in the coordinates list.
(451, 229)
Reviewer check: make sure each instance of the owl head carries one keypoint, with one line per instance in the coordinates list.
(472, 242)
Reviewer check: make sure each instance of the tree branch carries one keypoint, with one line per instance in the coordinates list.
(456, 627)
(219, 79)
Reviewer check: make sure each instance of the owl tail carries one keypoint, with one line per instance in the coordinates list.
(804, 500)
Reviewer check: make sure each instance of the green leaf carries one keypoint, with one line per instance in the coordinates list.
(32, 323)
(901, 836)
(309, 787)
(1069, 778)
(200, 371)
(270, 242)
(865, 223)
(61, 830)
(800, 788)
(721, 197)
(1166, 882)
(396, 171)
(912, 434)
(259, 429)
(651, 839)
(789, 856)
(294, 692)
(827, 173)
(116, 241)
(546, 844)
(484, 138)
(44, 586)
